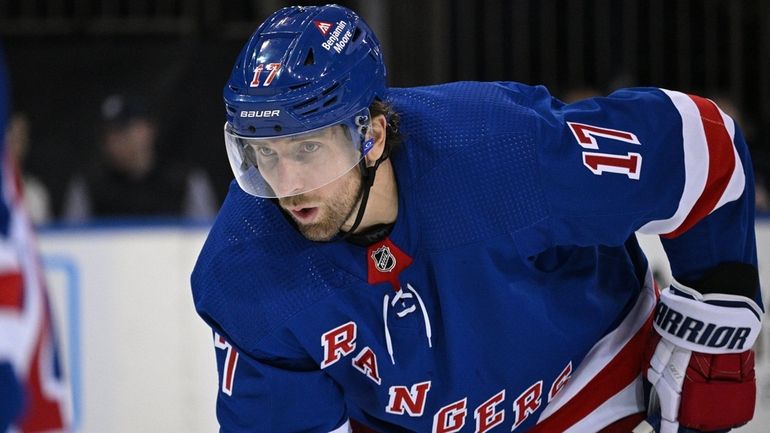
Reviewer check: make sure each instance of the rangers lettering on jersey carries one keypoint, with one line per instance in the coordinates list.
(340, 342)
(560, 381)
(487, 414)
(408, 400)
(451, 418)
(366, 363)
(527, 403)
(337, 343)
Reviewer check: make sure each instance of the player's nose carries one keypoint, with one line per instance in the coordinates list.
(291, 177)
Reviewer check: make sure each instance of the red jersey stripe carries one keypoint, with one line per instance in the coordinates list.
(721, 160)
(11, 291)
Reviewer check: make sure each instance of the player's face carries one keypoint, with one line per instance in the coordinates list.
(320, 214)
(303, 163)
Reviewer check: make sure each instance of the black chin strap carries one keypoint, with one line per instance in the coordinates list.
(366, 186)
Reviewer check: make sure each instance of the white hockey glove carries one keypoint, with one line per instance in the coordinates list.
(700, 360)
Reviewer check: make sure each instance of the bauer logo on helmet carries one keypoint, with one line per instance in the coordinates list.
(260, 113)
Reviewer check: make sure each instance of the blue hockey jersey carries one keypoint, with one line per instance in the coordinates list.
(510, 295)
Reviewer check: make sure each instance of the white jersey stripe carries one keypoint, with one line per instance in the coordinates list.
(344, 428)
(696, 163)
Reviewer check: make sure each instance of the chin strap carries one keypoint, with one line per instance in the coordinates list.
(368, 174)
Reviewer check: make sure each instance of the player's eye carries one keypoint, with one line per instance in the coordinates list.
(265, 151)
(310, 147)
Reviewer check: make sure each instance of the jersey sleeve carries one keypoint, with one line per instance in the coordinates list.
(272, 395)
(268, 382)
(649, 160)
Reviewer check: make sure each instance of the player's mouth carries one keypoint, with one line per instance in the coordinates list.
(304, 215)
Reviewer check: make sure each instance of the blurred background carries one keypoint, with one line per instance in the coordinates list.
(118, 130)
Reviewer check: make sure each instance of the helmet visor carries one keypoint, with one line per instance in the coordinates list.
(275, 167)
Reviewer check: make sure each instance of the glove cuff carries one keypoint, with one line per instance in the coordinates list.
(713, 323)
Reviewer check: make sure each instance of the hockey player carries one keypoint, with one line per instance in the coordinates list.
(33, 393)
(482, 274)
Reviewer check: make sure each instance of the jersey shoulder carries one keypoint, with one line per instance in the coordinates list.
(255, 271)
(469, 158)
(462, 112)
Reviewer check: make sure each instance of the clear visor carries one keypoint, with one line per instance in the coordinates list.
(275, 167)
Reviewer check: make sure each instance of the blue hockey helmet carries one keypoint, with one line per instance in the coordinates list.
(305, 69)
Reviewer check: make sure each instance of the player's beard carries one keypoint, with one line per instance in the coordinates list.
(336, 203)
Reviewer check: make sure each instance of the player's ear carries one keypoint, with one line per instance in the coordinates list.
(378, 131)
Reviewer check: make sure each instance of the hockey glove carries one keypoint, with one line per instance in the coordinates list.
(700, 361)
